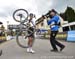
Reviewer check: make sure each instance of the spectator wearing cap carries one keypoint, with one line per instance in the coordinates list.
(53, 23)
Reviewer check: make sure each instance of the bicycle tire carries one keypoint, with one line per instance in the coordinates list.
(19, 42)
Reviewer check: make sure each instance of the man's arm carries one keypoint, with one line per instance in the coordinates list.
(52, 20)
(48, 21)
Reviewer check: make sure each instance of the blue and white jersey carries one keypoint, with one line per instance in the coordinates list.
(53, 21)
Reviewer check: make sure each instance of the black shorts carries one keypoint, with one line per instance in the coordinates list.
(30, 33)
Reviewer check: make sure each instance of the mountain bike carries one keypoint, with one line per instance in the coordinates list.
(21, 16)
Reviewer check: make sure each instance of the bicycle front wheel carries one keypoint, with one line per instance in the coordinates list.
(20, 15)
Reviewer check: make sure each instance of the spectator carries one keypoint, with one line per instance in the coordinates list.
(54, 25)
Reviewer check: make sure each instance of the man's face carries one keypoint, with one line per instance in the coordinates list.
(52, 14)
(31, 16)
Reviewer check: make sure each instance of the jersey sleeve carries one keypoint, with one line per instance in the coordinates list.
(55, 18)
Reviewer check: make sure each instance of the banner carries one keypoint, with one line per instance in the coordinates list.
(71, 36)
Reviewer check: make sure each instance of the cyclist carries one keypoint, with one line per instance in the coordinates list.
(31, 36)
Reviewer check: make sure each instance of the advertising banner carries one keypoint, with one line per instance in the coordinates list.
(71, 36)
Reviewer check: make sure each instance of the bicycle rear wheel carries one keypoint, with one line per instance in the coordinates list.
(21, 41)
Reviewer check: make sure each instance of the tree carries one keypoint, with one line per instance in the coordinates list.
(68, 15)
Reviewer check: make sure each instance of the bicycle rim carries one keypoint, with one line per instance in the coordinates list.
(21, 41)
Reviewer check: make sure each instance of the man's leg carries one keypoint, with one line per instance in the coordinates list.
(58, 43)
(30, 43)
(52, 40)
(33, 37)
